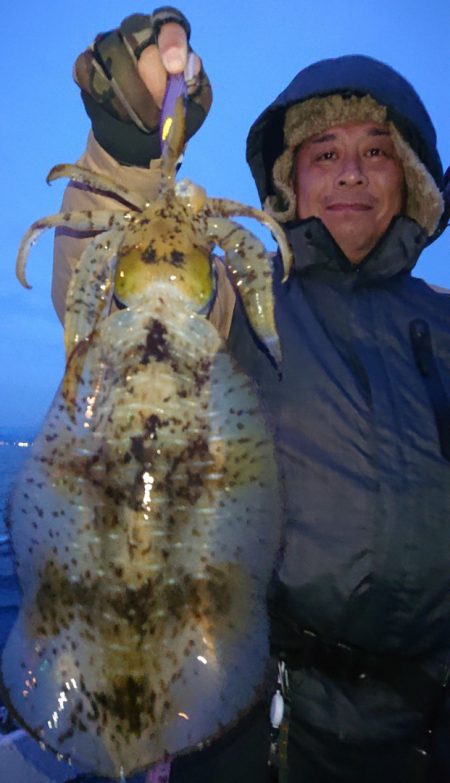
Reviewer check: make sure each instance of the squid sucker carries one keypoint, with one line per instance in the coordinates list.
(146, 522)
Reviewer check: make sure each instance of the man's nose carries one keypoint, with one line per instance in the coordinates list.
(351, 172)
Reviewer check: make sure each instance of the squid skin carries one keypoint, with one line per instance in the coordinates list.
(145, 532)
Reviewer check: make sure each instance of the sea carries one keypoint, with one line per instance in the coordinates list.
(15, 443)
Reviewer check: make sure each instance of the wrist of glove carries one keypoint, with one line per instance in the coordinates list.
(125, 118)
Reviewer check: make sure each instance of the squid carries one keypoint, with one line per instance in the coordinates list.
(146, 522)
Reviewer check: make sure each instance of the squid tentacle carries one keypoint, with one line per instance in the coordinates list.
(89, 298)
(98, 182)
(83, 220)
(91, 288)
(251, 270)
(227, 207)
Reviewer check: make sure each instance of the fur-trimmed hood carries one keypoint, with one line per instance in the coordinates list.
(350, 75)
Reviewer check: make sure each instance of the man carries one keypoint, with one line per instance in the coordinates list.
(346, 158)
(360, 606)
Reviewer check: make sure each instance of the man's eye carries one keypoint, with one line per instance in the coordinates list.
(327, 155)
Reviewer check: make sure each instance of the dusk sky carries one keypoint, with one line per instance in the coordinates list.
(251, 50)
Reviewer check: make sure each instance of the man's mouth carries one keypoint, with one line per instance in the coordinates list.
(348, 207)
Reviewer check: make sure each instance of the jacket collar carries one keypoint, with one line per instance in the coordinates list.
(398, 250)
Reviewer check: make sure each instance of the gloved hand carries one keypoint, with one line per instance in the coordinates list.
(123, 76)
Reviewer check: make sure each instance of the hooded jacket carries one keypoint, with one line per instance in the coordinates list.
(361, 422)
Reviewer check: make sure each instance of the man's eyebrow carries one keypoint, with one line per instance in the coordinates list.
(324, 137)
(378, 132)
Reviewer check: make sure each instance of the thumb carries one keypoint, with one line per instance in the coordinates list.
(172, 44)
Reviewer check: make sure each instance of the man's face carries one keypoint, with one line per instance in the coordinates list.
(351, 178)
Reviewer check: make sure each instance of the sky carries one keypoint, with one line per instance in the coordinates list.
(251, 50)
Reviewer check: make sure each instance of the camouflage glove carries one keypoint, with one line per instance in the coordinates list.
(124, 116)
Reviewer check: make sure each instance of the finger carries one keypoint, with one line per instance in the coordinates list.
(172, 44)
(193, 67)
(152, 72)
